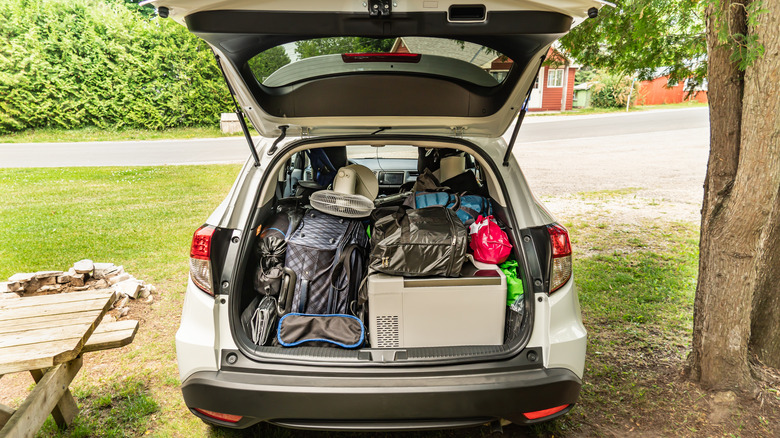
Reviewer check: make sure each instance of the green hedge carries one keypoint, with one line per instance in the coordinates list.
(70, 64)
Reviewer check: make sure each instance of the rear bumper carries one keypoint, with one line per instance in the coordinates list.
(392, 402)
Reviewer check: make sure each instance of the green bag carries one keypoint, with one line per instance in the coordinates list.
(514, 284)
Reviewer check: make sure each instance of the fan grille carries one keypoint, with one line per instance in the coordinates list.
(341, 204)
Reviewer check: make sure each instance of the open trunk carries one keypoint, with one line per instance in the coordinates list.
(389, 341)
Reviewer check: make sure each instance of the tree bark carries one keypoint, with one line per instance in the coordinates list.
(716, 303)
(741, 207)
(761, 126)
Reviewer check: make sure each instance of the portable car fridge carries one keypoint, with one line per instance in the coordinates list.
(438, 311)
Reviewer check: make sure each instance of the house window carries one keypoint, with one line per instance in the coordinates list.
(499, 74)
(555, 78)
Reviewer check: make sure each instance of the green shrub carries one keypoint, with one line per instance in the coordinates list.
(612, 91)
(66, 64)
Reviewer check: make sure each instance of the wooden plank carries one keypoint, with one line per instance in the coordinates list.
(41, 355)
(26, 357)
(26, 421)
(38, 336)
(55, 309)
(41, 361)
(66, 409)
(15, 303)
(111, 335)
(5, 414)
(37, 322)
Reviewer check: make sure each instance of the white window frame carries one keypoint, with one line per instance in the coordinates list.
(553, 74)
(506, 72)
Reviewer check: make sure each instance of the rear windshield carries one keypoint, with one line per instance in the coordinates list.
(308, 59)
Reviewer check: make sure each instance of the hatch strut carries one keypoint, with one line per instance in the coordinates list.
(239, 114)
(521, 115)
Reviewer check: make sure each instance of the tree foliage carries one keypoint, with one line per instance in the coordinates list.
(328, 46)
(147, 11)
(267, 62)
(745, 46)
(72, 64)
(644, 37)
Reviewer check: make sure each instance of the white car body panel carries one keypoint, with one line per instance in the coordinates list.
(196, 348)
(179, 9)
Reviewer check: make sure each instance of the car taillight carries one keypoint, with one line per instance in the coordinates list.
(220, 416)
(535, 415)
(200, 258)
(561, 256)
(381, 57)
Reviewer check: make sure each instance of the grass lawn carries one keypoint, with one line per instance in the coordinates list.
(636, 283)
(52, 135)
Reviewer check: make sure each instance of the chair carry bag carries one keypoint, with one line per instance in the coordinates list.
(344, 331)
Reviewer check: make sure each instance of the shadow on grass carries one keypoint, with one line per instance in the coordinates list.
(266, 430)
(123, 409)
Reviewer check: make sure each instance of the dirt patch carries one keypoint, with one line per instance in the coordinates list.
(621, 210)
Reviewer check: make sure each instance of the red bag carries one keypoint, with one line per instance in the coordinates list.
(489, 241)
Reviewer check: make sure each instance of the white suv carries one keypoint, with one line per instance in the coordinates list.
(432, 88)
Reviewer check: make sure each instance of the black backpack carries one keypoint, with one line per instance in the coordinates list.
(328, 254)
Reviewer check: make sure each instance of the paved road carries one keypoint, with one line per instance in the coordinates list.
(663, 153)
(547, 130)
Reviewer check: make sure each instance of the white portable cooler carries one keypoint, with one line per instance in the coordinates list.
(438, 311)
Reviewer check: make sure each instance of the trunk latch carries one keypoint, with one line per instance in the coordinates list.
(377, 8)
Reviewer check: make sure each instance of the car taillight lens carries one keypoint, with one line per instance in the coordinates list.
(200, 258)
(220, 416)
(561, 256)
(544, 412)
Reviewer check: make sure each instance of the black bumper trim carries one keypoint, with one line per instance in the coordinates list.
(338, 403)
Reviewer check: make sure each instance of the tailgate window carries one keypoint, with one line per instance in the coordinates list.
(305, 60)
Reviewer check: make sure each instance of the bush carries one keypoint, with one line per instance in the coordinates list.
(66, 64)
(612, 91)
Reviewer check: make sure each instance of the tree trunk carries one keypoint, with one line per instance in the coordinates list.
(761, 125)
(713, 363)
(741, 208)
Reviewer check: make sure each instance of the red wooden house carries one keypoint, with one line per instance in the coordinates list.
(660, 91)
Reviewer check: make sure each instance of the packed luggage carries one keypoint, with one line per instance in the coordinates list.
(340, 268)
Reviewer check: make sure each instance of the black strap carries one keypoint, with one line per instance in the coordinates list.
(351, 259)
(304, 296)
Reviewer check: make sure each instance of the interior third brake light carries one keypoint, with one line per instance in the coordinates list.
(381, 57)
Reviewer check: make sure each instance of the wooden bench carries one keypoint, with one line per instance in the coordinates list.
(111, 335)
(25, 420)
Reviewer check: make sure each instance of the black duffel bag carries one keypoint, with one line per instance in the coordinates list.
(417, 243)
